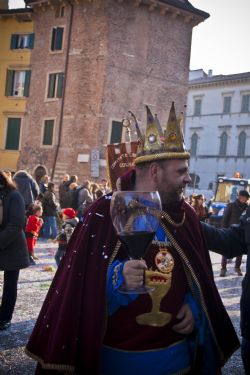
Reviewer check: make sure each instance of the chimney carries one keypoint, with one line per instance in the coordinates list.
(210, 73)
(4, 4)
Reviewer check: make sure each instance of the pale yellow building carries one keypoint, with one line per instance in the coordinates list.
(16, 44)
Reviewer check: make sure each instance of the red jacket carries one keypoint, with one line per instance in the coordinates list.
(33, 225)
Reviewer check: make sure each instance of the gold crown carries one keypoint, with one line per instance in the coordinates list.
(159, 145)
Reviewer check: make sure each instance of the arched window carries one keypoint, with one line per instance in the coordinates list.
(223, 144)
(194, 143)
(242, 144)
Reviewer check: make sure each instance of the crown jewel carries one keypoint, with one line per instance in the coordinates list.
(157, 144)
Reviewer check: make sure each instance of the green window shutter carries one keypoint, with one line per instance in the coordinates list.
(60, 81)
(51, 88)
(13, 42)
(116, 132)
(48, 132)
(27, 83)
(9, 82)
(31, 40)
(53, 39)
(13, 134)
(59, 38)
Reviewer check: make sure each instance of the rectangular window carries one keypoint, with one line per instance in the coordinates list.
(197, 107)
(57, 38)
(245, 103)
(48, 132)
(20, 41)
(227, 104)
(55, 85)
(116, 132)
(13, 133)
(17, 83)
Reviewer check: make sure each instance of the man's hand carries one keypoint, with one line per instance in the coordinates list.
(133, 273)
(186, 324)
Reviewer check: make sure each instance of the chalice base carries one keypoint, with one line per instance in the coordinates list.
(154, 319)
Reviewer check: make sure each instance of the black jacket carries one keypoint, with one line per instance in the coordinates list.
(49, 204)
(231, 242)
(13, 248)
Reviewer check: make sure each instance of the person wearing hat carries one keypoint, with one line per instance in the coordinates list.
(106, 336)
(69, 222)
(232, 214)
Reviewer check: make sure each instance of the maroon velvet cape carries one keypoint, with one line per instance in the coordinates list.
(71, 325)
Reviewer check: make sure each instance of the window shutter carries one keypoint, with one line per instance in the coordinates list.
(223, 144)
(53, 39)
(48, 132)
(60, 82)
(27, 83)
(13, 134)
(194, 143)
(13, 42)
(9, 82)
(245, 103)
(116, 132)
(51, 88)
(59, 38)
(31, 41)
(242, 144)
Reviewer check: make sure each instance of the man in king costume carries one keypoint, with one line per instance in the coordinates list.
(86, 326)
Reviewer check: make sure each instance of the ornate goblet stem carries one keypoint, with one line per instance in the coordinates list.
(155, 317)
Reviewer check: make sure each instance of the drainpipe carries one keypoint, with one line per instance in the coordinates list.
(64, 89)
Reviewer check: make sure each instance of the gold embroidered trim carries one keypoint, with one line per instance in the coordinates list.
(162, 156)
(51, 366)
(164, 215)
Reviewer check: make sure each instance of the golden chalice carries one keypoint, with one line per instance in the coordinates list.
(161, 281)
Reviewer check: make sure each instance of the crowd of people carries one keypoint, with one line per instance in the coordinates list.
(181, 326)
(31, 210)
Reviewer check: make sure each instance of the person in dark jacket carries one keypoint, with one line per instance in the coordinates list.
(27, 186)
(50, 207)
(232, 215)
(63, 191)
(231, 242)
(13, 249)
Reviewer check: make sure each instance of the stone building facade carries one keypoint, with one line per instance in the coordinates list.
(92, 62)
(16, 34)
(217, 126)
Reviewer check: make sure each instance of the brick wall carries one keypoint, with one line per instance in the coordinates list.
(121, 58)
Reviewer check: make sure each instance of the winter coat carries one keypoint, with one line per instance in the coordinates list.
(13, 248)
(27, 186)
(64, 197)
(232, 213)
(245, 297)
(49, 204)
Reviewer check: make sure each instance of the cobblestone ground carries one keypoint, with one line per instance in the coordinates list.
(33, 285)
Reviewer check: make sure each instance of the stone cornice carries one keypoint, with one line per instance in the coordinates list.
(220, 82)
(173, 8)
(22, 14)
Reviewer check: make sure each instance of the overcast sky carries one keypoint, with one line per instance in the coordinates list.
(220, 43)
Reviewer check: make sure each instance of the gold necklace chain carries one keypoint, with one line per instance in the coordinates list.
(164, 215)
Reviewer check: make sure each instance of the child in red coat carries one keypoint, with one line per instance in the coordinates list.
(32, 229)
